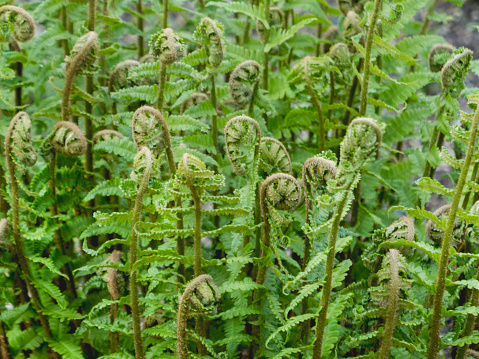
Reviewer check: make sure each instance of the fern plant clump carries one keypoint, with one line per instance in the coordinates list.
(237, 179)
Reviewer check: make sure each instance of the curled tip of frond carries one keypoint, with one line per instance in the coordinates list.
(435, 233)
(363, 138)
(340, 55)
(280, 191)
(149, 129)
(317, 171)
(167, 46)
(119, 76)
(209, 34)
(350, 5)
(146, 59)
(351, 24)
(106, 135)
(205, 296)
(18, 140)
(84, 53)
(454, 72)
(241, 132)
(16, 22)
(438, 56)
(332, 35)
(195, 99)
(142, 165)
(114, 278)
(248, 72)
(276, 19)
(274, 157)
(403, 228)
(4, 231)
(191, 167)
(68, 139)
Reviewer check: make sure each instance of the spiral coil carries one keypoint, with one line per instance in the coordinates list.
(246, 73)
(274, 157)
(209, 34)
(18, 140)
(68, 139)
(438, 56)
(167, 46)
(119, 76)
(16, 22)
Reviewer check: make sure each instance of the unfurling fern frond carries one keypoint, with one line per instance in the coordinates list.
(454, 72)
(114, 277)
(351, 5)
(242, 134)
(4, 235)
(81, 59)
(246, 73)
(436, 233)
(18, 140)
(274, 157)
(340, 55)
(67, 138)
(16, 22)
(201, 294)
(119, 76)
(167, 46)
(209, 34)
(151, 130)
(438, 56)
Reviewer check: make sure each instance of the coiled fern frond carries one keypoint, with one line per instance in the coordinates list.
(436, 233)
(119, 76)
(68, 139)
(18, 140)
(16, 22)
(167, 46)
(209, 34)
(246, 73)
(242, 135)
(454, 72)
(274, 157)
(438, 56)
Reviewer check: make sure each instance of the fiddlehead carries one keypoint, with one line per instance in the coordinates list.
(246, 73)
(242, 134)
(201, 294)
(168, 47)
(274, 157)
(81, 60)
(438, 56)
(4, 234)
(119, 76)
(209, 34)
(19, 151)
(331, 36)
(67, 138)
(150, 129)
(340, 55)
(351, 24)
(17, 23)
(142, 168)
(350, 5)
(436, 234)
(363, 138)
(454, 72)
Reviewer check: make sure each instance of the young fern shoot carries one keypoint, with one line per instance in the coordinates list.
(362, 140)
(142, 168)
(248, 72)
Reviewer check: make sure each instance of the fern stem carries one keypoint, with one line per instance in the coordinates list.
(328, 277)
(134, 247)
(165, 14)
(367, 58)
(317, 106)
(469, 326)
(214, 120)
(57, 234)
(198, 270)
(114, 335)
(22, 261)
(65, 21)
(392, 307)
(266, 54)
(251, 102)
(446, 242)
(474, 178)
(5, 354)
(427, 18)
(91, 15)
(161, 87)
(141, 25)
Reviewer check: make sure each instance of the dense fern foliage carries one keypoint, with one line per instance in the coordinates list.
(236, 179)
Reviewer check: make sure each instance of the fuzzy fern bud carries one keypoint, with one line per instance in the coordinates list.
(274, 157)
(68, 139)
(16, 22)
(350, 5)
(84, 54)
(438, 56)
(317, 171)
(142, 165)
(167, 46)
(351, 25)
(150, 129)
(209, 34)
(18, 140)
(119, 76)
(435, 233)
(4, 234)
(246, 73)
(114, 278)
(454, 72)
(340, 55)
(363, 138)
(332, 36)
(202, 294)
(242, 134)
